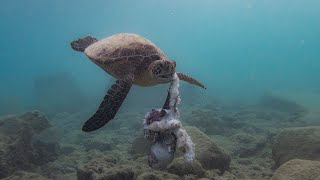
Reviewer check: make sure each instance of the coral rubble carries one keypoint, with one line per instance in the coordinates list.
(19, 150)
(22, 175)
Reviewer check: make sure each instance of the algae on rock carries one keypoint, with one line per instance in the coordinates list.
(20, 150)
(297, 143)
(298, 169)
(181, 167)
(208, 153)
(22, 175)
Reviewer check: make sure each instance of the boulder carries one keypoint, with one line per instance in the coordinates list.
(103, 168)
(122, 172)
(180, 167)
(11, 124)
(208, 153)
(298, 169)
(18, 148)
(189, 177)
(214, 174)
(22, 175)
(157, 175)
(297, 143)
(70, 163)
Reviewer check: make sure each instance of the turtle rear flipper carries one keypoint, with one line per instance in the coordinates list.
(190, 80)
(109, 106)
(82, 43)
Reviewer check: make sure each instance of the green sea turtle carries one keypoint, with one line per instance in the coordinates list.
(131, 59)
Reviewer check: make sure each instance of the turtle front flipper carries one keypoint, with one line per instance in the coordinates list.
(190, 80)
(109, 106)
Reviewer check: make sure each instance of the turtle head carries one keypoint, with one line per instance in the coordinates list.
(162, 70)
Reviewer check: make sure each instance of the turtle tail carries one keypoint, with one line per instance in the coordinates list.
(190, 80)
(82, 43)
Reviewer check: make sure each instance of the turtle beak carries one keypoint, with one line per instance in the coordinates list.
(169, 72)
(164, 70)
(166, 76)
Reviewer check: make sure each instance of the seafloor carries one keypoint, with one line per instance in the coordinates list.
(276, 131)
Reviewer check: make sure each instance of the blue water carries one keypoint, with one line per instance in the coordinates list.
(240, 49)
(237, 48)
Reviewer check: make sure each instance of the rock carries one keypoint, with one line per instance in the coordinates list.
(157, 175)
(69, 164)
(147, 176)
(69, 176)
(298, 169)
(189, 177)
(214, 174)
(297, 143)
(180, 167)
(36, 120)
(103, 168)
(208, 153)
(22, 175)
(18, 148)
(103, 172)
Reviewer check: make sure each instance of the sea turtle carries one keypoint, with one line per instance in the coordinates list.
(131, 59)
